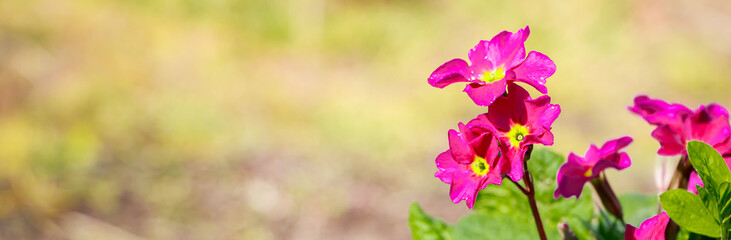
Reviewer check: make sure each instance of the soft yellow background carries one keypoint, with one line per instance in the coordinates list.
(303, 119)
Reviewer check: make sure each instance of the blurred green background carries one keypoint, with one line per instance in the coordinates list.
(303, 119)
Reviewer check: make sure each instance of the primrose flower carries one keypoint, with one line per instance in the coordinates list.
(652, 229)
(494, 65)
(471, 163)
(518, 121)
(677, 124)
(577, 171)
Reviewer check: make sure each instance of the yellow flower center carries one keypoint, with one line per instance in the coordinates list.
(480, 166)
(495, 75)
(588, 173)
(517, 134)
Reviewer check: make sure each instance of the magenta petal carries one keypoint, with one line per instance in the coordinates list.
(546, 138)
(485, 94)
(463, 187)
(456, 70)
(446, 167)
(670, 143)
(478, 57)
(481, 184)
(515, 158)
(708, 125)
(617, 161)
(693, 181)
(508, 49)
(486, 145)
(461, 151)
(542, 111)
(716, 110)
(653, 228)
(569, 178)
(615, 145)
(629, 232)
(658, 112)
(535, 70)
(569, 185)
(510, 109)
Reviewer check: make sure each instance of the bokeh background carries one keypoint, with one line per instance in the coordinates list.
(303, 119)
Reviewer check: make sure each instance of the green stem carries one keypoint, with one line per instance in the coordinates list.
(606, 194)
(531, 194)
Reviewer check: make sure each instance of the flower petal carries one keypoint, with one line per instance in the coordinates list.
(485, 94)
(446, 167)
(478, 57)
(513, 157)
(542, 111)
(709, 125)
(652, 228)
(569, 185)
(508, 49)
(456, 70)
(615, 145)
(693, 181)
(464, 187)
(617, 161)
(461, 151)
(535, 70)
(510, 109)
(670, 143)
(658, 112)
(486, 146)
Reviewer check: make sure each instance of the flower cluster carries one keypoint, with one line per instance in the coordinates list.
(678, 124)
(493, 145)
(497, 144)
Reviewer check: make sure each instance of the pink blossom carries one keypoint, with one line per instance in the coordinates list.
(650, 229)
(518, 121)
(470, 164)
(494, 65)
(677, 124)
(577, 171)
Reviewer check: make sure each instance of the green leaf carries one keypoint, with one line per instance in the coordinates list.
(724, 205)
(688, 211)
(483, 225)
(709, 164)
(426, 227)
(684, 234)
(709, 201)
(608, 227)
(638, 207)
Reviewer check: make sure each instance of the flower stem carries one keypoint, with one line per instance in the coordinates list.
(606, 194)
(531, 194)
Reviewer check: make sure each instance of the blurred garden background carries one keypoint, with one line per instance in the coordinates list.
(303, 119)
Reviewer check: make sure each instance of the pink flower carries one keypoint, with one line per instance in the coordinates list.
(494, 65)
(577, 171)
(676, 125)
(650, 229)
(518, 121)
(471, 163)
